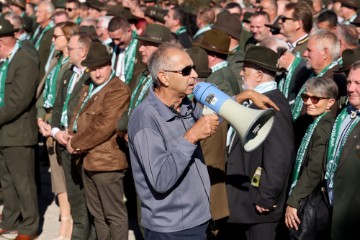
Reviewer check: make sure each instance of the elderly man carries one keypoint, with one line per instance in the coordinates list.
(257, 180)
(164, 133)
(93, 131)
(18, 135)
(296, 24)
(342, 169)
(42, 37)
(321, 56)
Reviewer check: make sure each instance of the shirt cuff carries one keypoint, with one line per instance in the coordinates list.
(54, 131)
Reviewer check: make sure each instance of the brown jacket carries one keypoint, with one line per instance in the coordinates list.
(96, 134)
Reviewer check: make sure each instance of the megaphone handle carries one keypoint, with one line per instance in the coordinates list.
(207, 111)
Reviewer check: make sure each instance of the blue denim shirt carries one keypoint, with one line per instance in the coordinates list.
(170, 174)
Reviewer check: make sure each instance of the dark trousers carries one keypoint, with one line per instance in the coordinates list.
(195, 233)
(259, 231)
(17, 177)
(82, 229)
(104, 193)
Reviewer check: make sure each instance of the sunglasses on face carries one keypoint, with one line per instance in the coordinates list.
(283, 18)
(186, 71)
(69, 9)
(314, 99)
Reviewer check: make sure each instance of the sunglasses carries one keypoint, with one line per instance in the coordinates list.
(185, 71)
(69, 9)
(283, 18)
(314, 99)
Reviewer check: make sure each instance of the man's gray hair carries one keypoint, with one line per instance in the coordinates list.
(49, 6)
(161, 60)
(326, 39)
(275, 44)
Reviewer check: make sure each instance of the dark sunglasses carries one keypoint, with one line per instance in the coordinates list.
(314, 99)
(185, 71)
(283, 18)
(69, 9)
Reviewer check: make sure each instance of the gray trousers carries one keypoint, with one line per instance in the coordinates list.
(17, 177)
(104, 193)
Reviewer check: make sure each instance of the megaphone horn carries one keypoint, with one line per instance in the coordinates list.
(252, 125)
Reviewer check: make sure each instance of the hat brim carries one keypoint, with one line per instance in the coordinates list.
(203, 74)
(96, 62)
(8, 34)
(262, 65)
(145, 39)
(343, 69)
(212, 49)
(223, 29)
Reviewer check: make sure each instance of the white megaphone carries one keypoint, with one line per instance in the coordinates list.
(252, 125)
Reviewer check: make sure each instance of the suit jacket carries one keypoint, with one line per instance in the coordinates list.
(275, 156)
(17, 117)
(61, 96)
(96, 127)
(301, 46)
(346, 209)
(185, 40)
(299, 77)
(225, 80)
(44, 50)
(311, 169)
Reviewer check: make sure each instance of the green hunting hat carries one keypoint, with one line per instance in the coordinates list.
(228, 23)
(20, 3)
(156, 33)
(201, 62)
(59, 4)
(214, 40)
(96, 5)
(156, 14)
(114, 10)
(97, 56)
(262, 57)
(6, 28)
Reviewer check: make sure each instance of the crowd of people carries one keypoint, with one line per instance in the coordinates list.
(107, 87)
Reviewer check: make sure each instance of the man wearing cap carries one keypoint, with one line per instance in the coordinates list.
(126, 57)
(257, 180)
(175, 20)
(296, 24)
(18, 135)
(42, 37)
(93, 136)
(95, 8)
(216, 43)
(348, 10)
(18, 7)
(231, 25)
(66, 101)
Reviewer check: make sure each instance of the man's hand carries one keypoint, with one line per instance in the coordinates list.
(44, 128)
(261, 209)
(69, 148)
(203, 128)
(260, 100)
(62, 137)
(291, 218)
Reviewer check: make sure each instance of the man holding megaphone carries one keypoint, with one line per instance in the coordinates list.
(257, 181)
(170, 175)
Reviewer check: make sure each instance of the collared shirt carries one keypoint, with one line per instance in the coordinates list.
(170, 174)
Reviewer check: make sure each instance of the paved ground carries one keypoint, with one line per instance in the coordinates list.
(49, 210)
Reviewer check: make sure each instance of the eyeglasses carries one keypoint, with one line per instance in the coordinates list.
(56, 36)
(185, 71)
(314, 99)
(70, 48)
(70, 9)
(283, 18)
